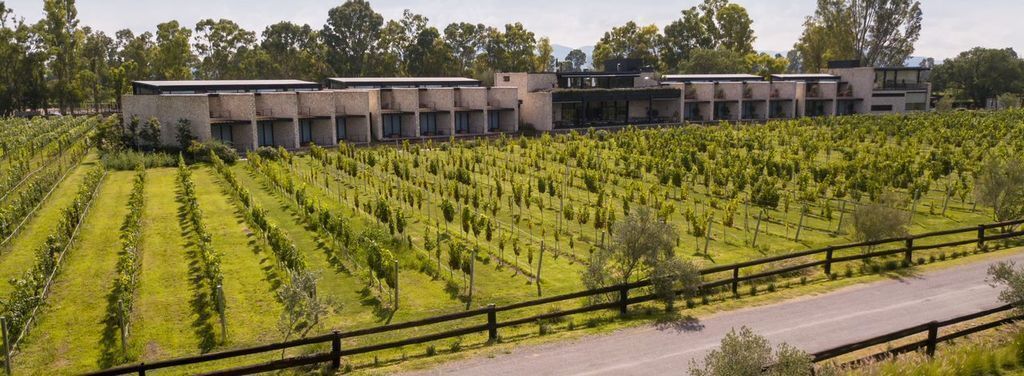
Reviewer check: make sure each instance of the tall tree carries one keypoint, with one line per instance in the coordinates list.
(464, 40)
(705, 61)
(63, 42)
(511, 50)
(428, 55)
(765, 65)
(172, 57)
(575, 60)
(351, 31)
(221, 46)
(97, 53)
(734, 29)
(876, 32)
(302, 47)
(628, 41)
(714, 24)
(545, 56)
(980, 74)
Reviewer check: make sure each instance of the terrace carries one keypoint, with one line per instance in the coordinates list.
(614, 107)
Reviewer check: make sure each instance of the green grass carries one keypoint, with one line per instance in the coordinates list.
(19, 255)
(252, 310)
(162, 318)
(66, 339)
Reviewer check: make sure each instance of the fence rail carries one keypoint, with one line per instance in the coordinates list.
(929, 343)
(622, 303)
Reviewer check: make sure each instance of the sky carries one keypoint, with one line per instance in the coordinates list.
(950, 26)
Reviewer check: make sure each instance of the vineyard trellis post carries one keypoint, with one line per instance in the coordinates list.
(121, 325)
(7, 345)
(395, 287)
(707, 235)
(539, 262)
(220, 310)
(842, 213)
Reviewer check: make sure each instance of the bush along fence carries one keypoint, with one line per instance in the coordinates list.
(929, 343)
(489, 323)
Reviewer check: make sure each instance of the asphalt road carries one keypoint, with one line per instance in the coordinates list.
(812, 324)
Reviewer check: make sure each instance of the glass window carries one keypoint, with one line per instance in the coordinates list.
(392, 125)
(493, 121)
(265, 133)
(305, 131)
(340, 127)
(428, 124)
(461, 122)
(222, 133)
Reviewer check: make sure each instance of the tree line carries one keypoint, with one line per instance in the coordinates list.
(58, 62)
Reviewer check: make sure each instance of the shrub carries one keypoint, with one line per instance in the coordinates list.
(456, 345)
(431, 350)
(128, 160)
(200, 151)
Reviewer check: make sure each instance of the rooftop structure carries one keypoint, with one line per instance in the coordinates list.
(220, 86)
(399, 82)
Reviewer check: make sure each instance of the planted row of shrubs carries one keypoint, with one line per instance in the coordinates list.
(204, 270)
(122, 295)
(26, 199)
(287, 254)
(30, 290)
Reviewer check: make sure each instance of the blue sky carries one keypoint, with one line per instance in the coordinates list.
(950, 26)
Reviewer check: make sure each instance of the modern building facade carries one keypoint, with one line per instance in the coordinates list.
(289, 113)
(625, 94)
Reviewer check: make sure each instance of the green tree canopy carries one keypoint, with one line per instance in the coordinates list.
(350, 33)
(629, 41)
(981, 73)
(878, 33)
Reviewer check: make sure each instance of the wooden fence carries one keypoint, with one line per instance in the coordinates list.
(488, 316)
(929, 343)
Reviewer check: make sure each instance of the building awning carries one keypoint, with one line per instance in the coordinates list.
(220, 86)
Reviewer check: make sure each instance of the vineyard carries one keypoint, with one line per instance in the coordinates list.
(110, 267)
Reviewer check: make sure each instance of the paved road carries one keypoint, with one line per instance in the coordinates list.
(812, 324)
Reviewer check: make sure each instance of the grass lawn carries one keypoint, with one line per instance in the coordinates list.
(162, 319)
(252, 310)
(66, 339)
(19, 255)
(341, 288)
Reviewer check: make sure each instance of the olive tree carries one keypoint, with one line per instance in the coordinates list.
(745, 353)
(880, 219)
(642, 246)
(1011, 278)
(999, 184)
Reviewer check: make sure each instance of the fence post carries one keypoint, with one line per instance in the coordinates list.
(623, 299)
(142, 369)
(336, 350)
(828, 261)
(981, 237)
(933, 335)
(735, 280)
(492, 323)
(908, 256)
(7, 345)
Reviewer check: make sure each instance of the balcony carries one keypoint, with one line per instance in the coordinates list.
(719, 94)
(691, 93)
(775, 93)
(813, 91)
(748, 92)
(908, 86)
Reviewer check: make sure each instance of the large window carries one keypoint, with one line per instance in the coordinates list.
(692, 112)
(341, 128)
(392, 125)
(461, 122)
(608, 112)
(265, 133)
(881, 107)
(570, 113)
(428, 124)
(222, 133)
(305, 131)
(493, 121)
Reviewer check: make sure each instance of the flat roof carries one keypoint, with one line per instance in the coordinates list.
(598, 74)
(711, 77)
(203, 86)
(806, 77)
(403, 81)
